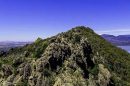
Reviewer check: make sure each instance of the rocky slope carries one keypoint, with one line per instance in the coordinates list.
(78, 57)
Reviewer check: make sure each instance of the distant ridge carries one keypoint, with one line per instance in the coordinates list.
(6, 45)
(120, 40)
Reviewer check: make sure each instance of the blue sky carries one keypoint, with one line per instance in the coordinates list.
(25, 20)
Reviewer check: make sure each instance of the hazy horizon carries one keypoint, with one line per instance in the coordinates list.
(25, 20)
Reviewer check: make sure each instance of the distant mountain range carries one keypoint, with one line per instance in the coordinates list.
(6, 45)
(121, 40)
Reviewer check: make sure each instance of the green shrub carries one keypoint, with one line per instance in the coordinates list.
(77, 38)
(40, 49)
(47, 72)
(94, 71)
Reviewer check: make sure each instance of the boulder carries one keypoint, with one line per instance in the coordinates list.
(7, 70)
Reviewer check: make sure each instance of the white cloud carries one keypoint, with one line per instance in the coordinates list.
(115, 32)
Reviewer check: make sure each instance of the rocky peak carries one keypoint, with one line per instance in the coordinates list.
(78, 57)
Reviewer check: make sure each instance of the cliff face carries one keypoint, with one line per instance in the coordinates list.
(78, 57)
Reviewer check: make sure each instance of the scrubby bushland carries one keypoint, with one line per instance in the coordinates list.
(78, 57)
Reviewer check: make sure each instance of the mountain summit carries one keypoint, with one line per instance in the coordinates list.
(78, 57)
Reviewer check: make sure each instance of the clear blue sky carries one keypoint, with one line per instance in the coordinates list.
(25, 20)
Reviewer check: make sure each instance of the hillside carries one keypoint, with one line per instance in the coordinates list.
(78, 57)
(121, 40)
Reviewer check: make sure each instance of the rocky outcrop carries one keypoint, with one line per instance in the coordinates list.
(104, 75)
(27, 71)
(7, 70)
